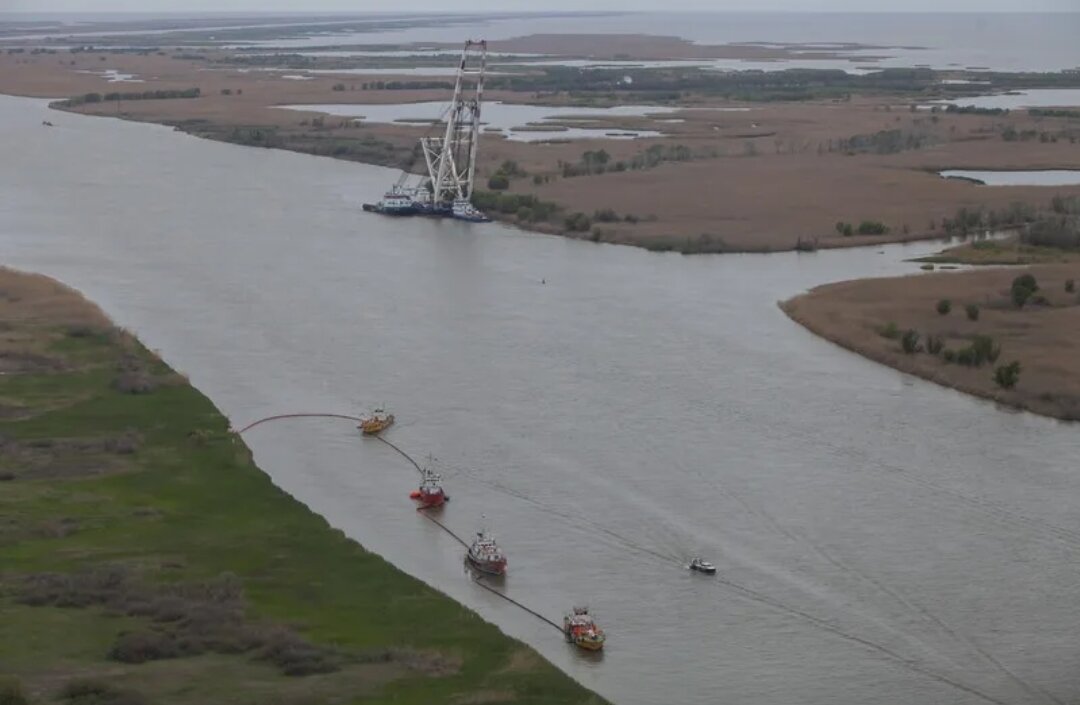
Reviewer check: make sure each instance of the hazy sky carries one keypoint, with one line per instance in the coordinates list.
(189, 6)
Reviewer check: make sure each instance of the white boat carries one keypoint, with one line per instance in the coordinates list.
(702, 566)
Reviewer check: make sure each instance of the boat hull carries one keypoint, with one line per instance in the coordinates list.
(381, 210)
(488, 567)
(589, 644)
(373, 427)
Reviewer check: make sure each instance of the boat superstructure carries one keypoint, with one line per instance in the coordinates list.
(446, 188)
(580, 630)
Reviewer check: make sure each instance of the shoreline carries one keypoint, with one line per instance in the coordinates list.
(148, 486)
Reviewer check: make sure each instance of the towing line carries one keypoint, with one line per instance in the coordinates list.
(476, 578)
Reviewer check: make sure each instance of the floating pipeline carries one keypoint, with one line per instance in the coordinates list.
(476, 579)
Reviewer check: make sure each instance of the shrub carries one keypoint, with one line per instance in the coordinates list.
(984, 350)
(95, 691)
(1026, 281)
(890, 331)
(1020, 296)
(949, 355)
(578, 222)
(140, 647)
(1040, 300)
(338, 87)
(1070, 286)
(511, 168)
(11, 692)
(872, 227)
(605, 215)
(294, 656)
(1006, 376)
(910, 341)
(1023, 287)
(498, 182)
(972, 312)
(944, 306)
(934, 344)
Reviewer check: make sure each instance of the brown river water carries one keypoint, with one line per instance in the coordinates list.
(879, 539)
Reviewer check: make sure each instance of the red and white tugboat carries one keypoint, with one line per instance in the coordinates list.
(580, 630)
(485, 555)
(431, 493)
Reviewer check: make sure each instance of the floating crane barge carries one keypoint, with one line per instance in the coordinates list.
(446, 189)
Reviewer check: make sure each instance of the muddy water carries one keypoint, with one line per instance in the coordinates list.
(612, 411)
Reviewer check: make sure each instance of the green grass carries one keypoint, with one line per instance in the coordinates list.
(1001, 252)
(179, 510)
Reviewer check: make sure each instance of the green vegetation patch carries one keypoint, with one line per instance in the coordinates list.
(145, 558)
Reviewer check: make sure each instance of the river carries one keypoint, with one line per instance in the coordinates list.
(612, 411)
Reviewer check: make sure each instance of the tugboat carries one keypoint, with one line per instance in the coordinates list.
(394, 202)
(702, 566)
(485, 555)
(463, 209)
(580, 630)
(431, 493)
(376, 423)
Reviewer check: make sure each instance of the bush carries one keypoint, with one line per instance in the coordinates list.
(605, 215)
(338, 87)
(944, 306)
(1070, 286)
(949, 355)
(890, 331)
(1026, 281)
(872, 227)
(498, 182)
(140, 647)
(1006, 376)
(95, 691)
(934, 344)
(578, 222)
(11, 692)
(294, 656)
(910, 341)
(1022, 288)
(984, 350)
(972, 312)
(845, 229)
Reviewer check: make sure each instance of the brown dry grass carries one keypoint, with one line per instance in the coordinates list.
(1044, 339)
(33, 298)
(785, 193)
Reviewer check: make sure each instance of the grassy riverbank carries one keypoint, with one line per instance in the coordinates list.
(144, 558)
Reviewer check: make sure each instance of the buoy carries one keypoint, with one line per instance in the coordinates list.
(415, 494)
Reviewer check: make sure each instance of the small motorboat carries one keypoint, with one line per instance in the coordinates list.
(377, 422)
(702, 566)
(581, 631)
